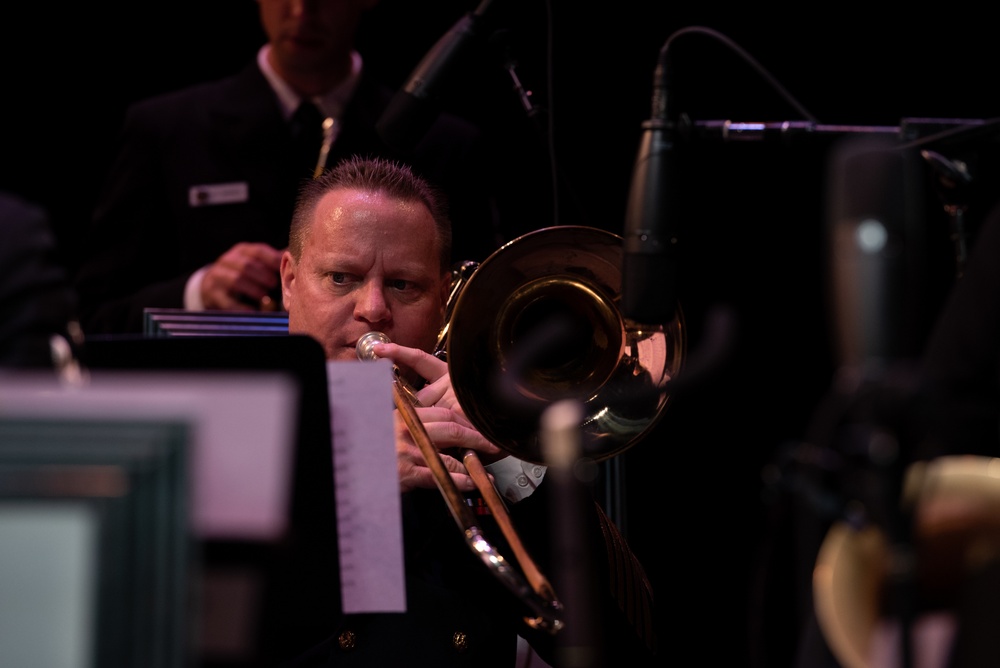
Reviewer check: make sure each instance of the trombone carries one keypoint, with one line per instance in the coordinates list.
(536, 590)
(502, 307)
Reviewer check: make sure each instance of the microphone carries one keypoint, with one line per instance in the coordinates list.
(650, 244)
(415, 106)
(877, 251)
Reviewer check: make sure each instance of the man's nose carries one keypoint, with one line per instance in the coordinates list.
(372, 304)
(299, 7)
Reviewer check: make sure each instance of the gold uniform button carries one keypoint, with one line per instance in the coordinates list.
(459, 641)
(347, 640)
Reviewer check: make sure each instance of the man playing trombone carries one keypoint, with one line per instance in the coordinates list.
(369, 250)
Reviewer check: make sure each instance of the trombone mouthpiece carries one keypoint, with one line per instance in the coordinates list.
(367, 342)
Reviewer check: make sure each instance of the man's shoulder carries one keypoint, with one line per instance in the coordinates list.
(247, 83)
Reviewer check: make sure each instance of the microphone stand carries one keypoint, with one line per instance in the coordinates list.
(581, 644)
(540, 120)
(914, 131)
(878, 445)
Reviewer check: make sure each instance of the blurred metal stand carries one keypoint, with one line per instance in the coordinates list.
(580, 645)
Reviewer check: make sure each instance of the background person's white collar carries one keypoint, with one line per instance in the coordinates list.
(332, 103)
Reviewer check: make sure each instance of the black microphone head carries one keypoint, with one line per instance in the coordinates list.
(649, 264)
(417, 104)
(876, 236)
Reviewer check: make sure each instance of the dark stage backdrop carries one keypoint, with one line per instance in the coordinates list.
(752, 214)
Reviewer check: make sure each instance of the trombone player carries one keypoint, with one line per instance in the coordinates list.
(369, 250)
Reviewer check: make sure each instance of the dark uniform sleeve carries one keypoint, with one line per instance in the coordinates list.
(961, 362)
(36, 299)
(130, 246)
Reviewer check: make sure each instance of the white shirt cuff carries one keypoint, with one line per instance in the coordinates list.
(192, 291)
(515, 479)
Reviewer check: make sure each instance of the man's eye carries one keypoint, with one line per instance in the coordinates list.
(399, 284)
(338, 277)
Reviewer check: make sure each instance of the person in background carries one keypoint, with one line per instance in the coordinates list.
(369, 250)
(38, 328)
(195, 208)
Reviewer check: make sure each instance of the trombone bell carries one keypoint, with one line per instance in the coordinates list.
(507, 365)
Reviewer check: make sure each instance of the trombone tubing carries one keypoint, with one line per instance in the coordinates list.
(456, 502)
(534, 590)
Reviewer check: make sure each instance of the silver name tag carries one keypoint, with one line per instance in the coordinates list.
(218, 193)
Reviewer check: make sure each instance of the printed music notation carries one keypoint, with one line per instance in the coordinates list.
(366, 480)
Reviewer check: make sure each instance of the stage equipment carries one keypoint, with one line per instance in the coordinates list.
(650, 236)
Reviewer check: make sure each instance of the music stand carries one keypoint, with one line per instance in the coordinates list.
(94, 541)
(301, 588)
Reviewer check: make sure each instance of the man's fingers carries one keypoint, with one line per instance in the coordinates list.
(445, 431)
(242, 277)
(424, 364)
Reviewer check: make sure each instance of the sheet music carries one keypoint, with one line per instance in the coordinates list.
(366, 480)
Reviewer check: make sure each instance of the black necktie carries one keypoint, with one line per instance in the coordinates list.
(307, 137)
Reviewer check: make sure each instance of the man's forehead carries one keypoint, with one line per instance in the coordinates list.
(371, 217)
(342, 202)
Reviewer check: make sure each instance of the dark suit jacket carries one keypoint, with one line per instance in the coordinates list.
(147, 237)
(460, 614)
(960, 366)
(36, 299)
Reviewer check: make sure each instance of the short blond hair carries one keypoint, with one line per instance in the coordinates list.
(377, 175)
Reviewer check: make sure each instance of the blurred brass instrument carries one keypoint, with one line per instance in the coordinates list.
(955, 506)
(617, 369)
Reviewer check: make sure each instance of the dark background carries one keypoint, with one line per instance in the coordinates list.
(750, 214)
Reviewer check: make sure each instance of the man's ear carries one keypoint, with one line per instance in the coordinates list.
(287, 270)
